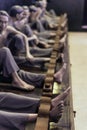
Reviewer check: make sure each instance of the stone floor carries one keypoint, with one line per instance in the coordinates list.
(78, 59)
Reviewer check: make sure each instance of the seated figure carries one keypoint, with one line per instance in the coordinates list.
(18, 42)
(17, 110)
(22, 79)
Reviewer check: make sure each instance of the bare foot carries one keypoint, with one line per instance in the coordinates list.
(56, 112)
(60, 59)
(29, 57)
(48, 46)
(22, 85)
(61, 97)
(62, 43)
(64, 24)
(63, 39)
(53, 26)
(52, 34)
(32, 117)
(61, 47)
(51, 41)
(59, 75)
(43, 59)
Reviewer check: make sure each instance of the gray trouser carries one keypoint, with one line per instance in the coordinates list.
(17, 103)
(7, 63)
(37, 25)
(43, 35)
(31, 78)
(14, 109)
(34, 79)
(16, 45)
(40, 52)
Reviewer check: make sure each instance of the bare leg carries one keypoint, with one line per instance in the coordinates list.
(63, 39)
(61, 97)
(58, 106)
(62, 43)
(51, 41)
(52, 34)
(44, 59)
(44, 44)
(59, 75)
(32, 117)
(17, 82)
(56, 112)
(56, 109)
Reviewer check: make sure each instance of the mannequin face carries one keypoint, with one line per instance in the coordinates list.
(3, 22)
(26, 13)
(44, 4)
(20, 16)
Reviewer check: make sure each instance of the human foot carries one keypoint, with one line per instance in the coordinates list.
(41, 59)
(22, 85)
(51, 41)
(61, 47)
(48, 46)
(61, 97)
(63, 39)
(56, 112)
(52, 34)
(59, 75)
(60, 59)
(32, 117)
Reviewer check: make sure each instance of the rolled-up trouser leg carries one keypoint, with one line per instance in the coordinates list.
(16, 44)
(45, 34)
(40, 52)
(32, 78)
(38, 61)
(26, 29)
(13, 121)
(39, 25)
(7, 62)
(17, 103)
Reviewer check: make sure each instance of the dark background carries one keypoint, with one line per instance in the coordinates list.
(76, 10)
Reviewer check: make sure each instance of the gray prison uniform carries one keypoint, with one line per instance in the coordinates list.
(36, 80)
(43, 35)
(16, 45)
(27, 30)
(14, 109)
(37, 25)
(8, 66)
(7, 63)
(40, 52)
(36, 51)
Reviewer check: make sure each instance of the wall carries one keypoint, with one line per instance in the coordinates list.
(85, 13)
(6, 4)
(74, 9)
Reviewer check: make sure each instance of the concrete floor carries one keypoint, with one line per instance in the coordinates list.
(78, 59)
